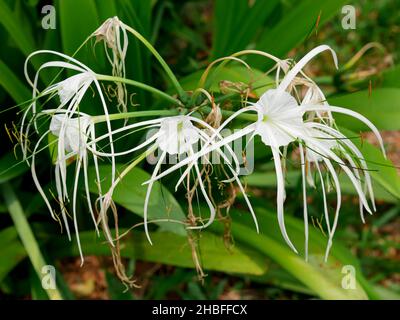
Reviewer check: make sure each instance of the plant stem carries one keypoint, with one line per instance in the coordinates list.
(26, 235)
(162, 62)
(140, 85)
(167, 113)
(227, 113)
(135, 114)
(134, 164)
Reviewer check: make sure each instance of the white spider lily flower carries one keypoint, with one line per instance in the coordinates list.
(75, 133)
(71, 91)
(73, 136)
(314, 94)
(323, 142)
(70, 87)
(298, 67)
(274, 125)
(282, 121)
(176, 135)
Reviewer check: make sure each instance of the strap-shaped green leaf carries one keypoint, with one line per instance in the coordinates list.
(381, 106)
(294, 27)
(172, 249)
(26, 235)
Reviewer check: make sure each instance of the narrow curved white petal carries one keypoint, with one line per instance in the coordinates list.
(92, 134)
(177, 135)
(206, 198)
(353, 148)
(246, 198)
(352, 114)
(302, 63)
(59, 54)
(305, 210)
(148, 193)
(87, 191)
(74, 214)
(326, 213)
(61, 200)
(122, 153)
(148, 123)
(35, 178)
(330, 154)
(338, 205)
(231, 118)
(280, 197)
(203, 152)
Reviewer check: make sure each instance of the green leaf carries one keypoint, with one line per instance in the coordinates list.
(230, 73)
(293, 28)
(13, 85)
(130, 194)
(225, 14)
(78, 19)
(172, 249)
(11, 255)
(12, 251)
(26, 235)
(7, 235)
(23, 37)
(137, 14)
(324, 279)
(382, 107)
(236, 23)
(106, 9)
(386, 294)
(116, 289)
(11, 168)
(278, 277)
(268, 180)
(389, 78)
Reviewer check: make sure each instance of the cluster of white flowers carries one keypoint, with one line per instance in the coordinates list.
(73, 129)
(295, 113)
(283, 120)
